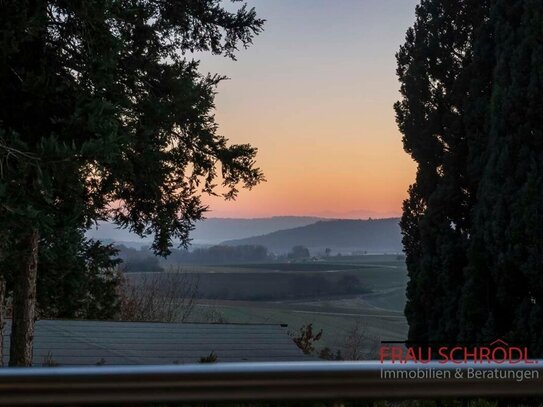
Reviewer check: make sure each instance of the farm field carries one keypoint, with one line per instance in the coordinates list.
(383, 275)
(278, 293)
(337, 318)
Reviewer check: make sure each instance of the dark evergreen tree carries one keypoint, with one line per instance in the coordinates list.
(103, 117)
(504, 292)
(473, 229)
(433, 70)
(78, 277)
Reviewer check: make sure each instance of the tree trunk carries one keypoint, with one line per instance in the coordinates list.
(2, 317)
(24, 304)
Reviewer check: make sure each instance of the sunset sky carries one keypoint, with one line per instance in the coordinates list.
(315, 93)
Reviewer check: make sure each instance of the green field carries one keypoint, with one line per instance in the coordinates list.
(302, 266)
(379, 272)
(337, 319)
(377, 313)
(345, 296)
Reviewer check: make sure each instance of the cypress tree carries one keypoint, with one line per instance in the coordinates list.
(472, 225)
(504, 289)
(433, 67)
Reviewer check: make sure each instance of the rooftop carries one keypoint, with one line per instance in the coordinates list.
(80, 342)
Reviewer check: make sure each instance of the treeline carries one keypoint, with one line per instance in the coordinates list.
(143, 260)
(278, 286)
(221, 255)
(472, 85)
(134, 260)
(264, 286)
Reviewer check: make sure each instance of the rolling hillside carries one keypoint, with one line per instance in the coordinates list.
(215, 230)
(373, 236)
(208, 231)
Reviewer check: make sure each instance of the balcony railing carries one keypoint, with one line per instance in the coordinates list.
(264, 381)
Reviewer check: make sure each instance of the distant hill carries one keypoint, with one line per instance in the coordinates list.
(378, 235)
(209, 231)
(216, 230)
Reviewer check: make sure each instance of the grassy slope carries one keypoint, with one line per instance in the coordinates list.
(379, 313)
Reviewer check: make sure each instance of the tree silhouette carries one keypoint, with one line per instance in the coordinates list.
(298, 253)
(471, 81)
(504, 289)
(103, 117)
(435, 80)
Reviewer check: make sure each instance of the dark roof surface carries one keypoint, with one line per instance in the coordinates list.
(78, 342)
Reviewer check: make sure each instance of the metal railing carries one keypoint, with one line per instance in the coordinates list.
(264, 381)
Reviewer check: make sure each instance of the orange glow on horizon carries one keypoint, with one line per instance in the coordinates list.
(323, 175)
(316, 100)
